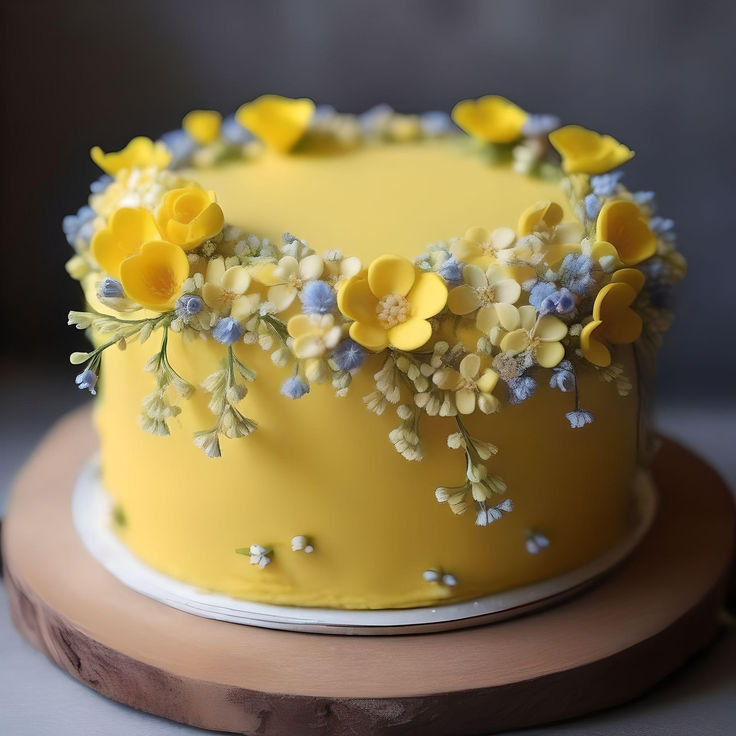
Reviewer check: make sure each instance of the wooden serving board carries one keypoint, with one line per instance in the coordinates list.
(598, 649)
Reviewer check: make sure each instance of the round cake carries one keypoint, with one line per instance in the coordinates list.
(370, 362)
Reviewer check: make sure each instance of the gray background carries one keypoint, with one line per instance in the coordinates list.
(657, 74)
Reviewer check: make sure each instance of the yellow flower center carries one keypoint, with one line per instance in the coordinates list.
(392, 310)
(295, 282)
(487, 295)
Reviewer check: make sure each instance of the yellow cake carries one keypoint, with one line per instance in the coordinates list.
(444, 328)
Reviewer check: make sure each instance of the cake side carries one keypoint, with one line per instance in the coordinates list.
(514, 354)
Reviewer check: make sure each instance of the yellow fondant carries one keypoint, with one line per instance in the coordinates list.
(140, 153)
(584, 151)
(321, 466)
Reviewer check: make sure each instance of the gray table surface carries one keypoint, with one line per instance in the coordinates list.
(37, 699)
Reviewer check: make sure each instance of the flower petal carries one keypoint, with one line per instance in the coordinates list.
(487, 318)
(509, 317)
(466, 250)
(631, 276)
(215, 272)
(539, 217)
(593, 349)
(428, 296)
(622, 224)
(470, 366)
(311, 267)
(507, 291)
(550, 329)
(153, 278)
(463, 300)
(549, 354)
(356, 300)
(300, 324)
(236, 280)
(391, 275)
(213, 296)
(515, 342)
(282, 296)
(487, 382)
(491, 118)
(528, 316)
(475, 276)
(370, 336)
(287, 267)
(244, 306)
(465, 401)
(410, 335)
(279, 122)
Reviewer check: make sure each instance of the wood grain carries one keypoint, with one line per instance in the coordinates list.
(593, 651)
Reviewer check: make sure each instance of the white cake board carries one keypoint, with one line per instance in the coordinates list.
(92, 515)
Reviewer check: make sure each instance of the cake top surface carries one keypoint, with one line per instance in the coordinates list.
(484, 250)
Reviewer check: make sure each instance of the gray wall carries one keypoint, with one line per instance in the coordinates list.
(657, 74)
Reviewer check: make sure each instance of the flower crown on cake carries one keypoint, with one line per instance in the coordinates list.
(468, 326)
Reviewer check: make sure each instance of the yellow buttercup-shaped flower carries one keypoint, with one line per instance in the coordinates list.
(540, 217)
(614, 322)
(584, 151)
(280, 122)
(189, 216)
(622, 224)
(154, 276)
(140, 153)
(127, 230)
(203, 125)
(492, 119)
(539, 337)
(391, 304)
(482, 247)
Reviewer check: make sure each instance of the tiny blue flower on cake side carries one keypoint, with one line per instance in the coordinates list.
(87, 380)
(317, 298)
(187, 305)
(294, 387)
(227, 331)
(348, 355)
(79, 227)
(521, 388)
(579, 418)
(576, 273)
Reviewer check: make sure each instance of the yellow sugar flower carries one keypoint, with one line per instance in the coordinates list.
(314, 334)
(622, 224)
(614, 321)
(203, 125)
(189, 216)
(224, 290)
(287, 278)
(280, 122)
(391, 304)
(140, 153)
(154, 276)
(482, 247)
(483, 292)
(127, 230)
(492, 119)
(471, 386)
(538, 337)
(540, 217)
(584, 151)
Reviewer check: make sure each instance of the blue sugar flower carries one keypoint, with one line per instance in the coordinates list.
(294, 387)
(558, 302)
(317, 298)
(645, 199)
(592, 206)
(227, 331)
(563, 377)
(539, 125)
(348, 355)
(80, 226)
(187, 305)
(372, 119)
(521, 388)
(181, 145)
(575, 273)
(540, 291)
(98, 186)
(658, 283)
(87, 379)
(435, 123)
(579, 418)
(451, 271)
(664, 227)
(234, 133)
(109, 288)
(606, 185)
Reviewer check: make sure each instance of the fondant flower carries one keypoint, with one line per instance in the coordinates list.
(188, 216)
(584, 151)
(622, 224)
(483, 291)
(339, 267)
(127, 230)
(469, 384)
(481, 247)
(539, 337)
(288, 277)
(140, 153)
(614, 322)
(153, 277)
(540, 217)
(203, 125)
(279, 122)
(492, 119)
(391, 304)
(224, 290)
(314, 334)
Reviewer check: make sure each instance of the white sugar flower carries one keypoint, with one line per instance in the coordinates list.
(471, 387)
(224, 290)
(537, 337)
(313, 334)
(287, 278)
